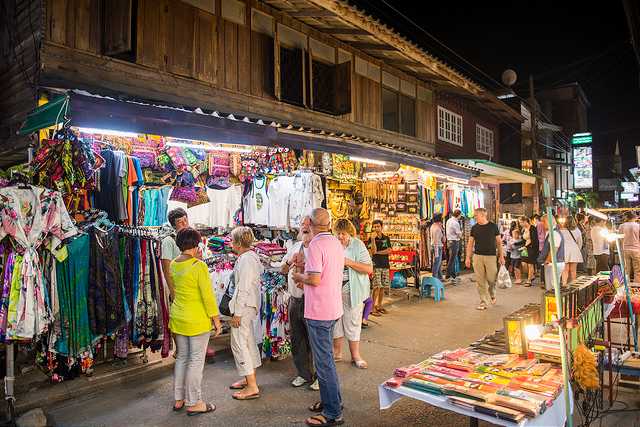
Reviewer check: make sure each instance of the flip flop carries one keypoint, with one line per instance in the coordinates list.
(323, 421)
(209, 408)
(360, 364)
(238, 386)
(481, 307)
(376, 313)
(246, 397)
(176, 409)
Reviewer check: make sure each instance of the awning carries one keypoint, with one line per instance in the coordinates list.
(495, 173)
(99, 112)
(49, 114)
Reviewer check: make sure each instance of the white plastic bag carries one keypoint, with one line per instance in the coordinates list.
(504, 279)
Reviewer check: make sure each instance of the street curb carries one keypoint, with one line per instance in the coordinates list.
(94, 385)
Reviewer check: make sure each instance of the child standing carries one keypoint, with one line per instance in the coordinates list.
(514, 244)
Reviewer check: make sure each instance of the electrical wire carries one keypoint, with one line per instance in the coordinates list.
(565, 141)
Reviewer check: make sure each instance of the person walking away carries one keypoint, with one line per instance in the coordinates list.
(300, 347)
(572, 238)
(437, 238)
(484, 243)
(514, 244)
(322, 280)
(355, 289)
(544, 259)
(244, 307)
(192, 312)
(453, 234)
(380, 250)
(589, 258)
(582, 223)
(600, 245)
(529, 255)
(631, 245)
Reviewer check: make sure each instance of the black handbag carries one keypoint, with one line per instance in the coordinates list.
(224, 305)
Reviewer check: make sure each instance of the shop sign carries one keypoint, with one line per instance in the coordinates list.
(630, 187)
(583, 167)
(582, 138)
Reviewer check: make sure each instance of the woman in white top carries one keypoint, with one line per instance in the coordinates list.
(572, 238)
(244, 307)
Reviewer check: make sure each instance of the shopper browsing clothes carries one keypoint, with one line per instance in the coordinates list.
(355, 290)
(484, 243)
(178, 220)
(572, 239)
(437, 238)
(368, 303)
(322, 279)
(380, 246)
(244, 307)
(454, 234)
(192, 312)
(300, 347)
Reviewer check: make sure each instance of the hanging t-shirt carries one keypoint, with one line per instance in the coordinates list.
(279, 192)
(256, 202)
(224, 205)
(308, 194)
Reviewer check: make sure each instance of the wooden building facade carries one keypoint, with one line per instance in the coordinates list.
(319, 64)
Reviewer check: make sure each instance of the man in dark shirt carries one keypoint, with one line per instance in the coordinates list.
(483, 244)
(380, 247)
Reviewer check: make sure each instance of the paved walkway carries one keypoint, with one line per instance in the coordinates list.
(409, 333)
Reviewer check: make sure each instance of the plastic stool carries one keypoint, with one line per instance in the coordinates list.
(431, 282)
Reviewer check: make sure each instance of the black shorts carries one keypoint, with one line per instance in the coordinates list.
(516, 262)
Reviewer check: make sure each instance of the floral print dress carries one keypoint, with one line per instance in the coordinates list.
(32, 217)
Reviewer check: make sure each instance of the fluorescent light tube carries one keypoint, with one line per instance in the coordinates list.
(209, 147)
(109, 132)
(370, 161)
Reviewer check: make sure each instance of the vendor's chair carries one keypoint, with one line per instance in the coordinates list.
(429, 283)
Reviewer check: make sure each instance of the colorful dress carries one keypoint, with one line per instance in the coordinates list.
(30, 216)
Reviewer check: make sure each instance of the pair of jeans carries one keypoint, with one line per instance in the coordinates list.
(300, 347)
(187, 371)
(368, 308)
(437, 262)
(454, 250)
(321, 339)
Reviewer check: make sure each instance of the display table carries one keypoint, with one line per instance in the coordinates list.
(553, 416)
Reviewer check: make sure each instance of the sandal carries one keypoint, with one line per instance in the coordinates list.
(527, 284)
(240, 385)
(209, 408)
(337, 359)
(383, 311)
(180, 408)
(365, 325)
(322, 421)
(376, 313)
(318, 407)
(494, 301)
(240, 396)
(360, 364)
(481, 307)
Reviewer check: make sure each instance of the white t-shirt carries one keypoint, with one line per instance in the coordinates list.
(453, 229)
(256, 203)
(170, 250)
(307, 194)
(292, 288)
(279, 192)
(224, 205)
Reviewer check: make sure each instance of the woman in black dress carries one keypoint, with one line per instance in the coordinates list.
(530, 255)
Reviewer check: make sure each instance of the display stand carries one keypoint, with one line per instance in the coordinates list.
(554, 416)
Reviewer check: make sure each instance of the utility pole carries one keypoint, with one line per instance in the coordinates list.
(534, 142)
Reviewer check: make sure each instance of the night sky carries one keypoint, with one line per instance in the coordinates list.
(556, 41)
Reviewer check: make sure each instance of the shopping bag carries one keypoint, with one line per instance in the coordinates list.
(504, 280)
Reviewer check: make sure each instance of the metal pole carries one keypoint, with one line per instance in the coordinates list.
(556, 288)
(632, 315)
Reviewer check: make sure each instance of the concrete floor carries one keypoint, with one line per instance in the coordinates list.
(408, 334)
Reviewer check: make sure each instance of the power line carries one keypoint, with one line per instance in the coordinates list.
(500, 85)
